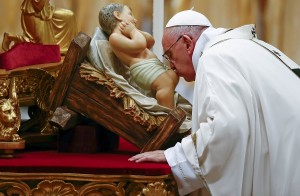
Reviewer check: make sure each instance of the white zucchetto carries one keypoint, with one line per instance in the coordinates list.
(188, 17)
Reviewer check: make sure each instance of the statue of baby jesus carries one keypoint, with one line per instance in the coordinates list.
(132, 47)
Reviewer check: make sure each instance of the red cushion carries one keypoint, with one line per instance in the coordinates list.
(24, 54)
(101, 163)
(127, 146)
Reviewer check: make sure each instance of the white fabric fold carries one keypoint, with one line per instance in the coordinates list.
(182, 169)
(245, 133)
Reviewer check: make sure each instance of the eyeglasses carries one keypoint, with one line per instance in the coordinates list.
(165, 53)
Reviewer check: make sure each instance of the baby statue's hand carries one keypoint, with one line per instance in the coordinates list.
(126, 28)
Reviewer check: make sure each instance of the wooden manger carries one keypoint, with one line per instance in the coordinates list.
(76, 92)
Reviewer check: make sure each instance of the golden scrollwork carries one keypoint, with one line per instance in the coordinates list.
(155, 189)
(14, 188)
(54, 187)
(91, 189)
(130, 107)
(42, 81)
(86, 185)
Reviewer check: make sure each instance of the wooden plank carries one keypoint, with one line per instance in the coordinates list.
(166, 130)
(75, 55)
(108, 112)
(93, 100)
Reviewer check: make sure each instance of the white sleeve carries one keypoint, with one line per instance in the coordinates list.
(183, 172)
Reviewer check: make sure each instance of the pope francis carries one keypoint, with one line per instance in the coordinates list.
(246, 113)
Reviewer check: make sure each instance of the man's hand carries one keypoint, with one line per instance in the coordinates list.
(152, 156)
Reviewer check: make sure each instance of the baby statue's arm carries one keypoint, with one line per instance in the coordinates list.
(131, 40)
(150, 40)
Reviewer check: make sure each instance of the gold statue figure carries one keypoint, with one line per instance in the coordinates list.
(44, 23)
(10, 116)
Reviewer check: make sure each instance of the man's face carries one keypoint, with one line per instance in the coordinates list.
(180, 59)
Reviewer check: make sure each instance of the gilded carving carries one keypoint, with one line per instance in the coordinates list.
(130, 107)
(23, 86)
(32, 85)
(42, 82)
(158, 188)
(3, 88)
(34, 184)
(10, 116)
(14, 188)
(135, 189)
(111, 189)
(155, 189)
(26, 83)
(54, 187)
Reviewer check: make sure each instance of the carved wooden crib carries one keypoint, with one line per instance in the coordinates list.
(82, 88)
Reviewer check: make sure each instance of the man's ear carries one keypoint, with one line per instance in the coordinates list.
(117, 15)
(189, 44)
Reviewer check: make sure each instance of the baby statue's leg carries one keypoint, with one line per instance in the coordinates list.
(164, 87)
(165, 97)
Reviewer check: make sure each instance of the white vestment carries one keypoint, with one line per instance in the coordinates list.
(246, 121)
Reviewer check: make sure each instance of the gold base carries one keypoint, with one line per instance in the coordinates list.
(7, 148)
(86, 184)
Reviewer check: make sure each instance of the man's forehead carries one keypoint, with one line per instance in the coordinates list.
(168, 38)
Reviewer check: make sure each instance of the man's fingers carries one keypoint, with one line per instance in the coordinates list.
(135, 157)
(140, 156)
(142, 159)
(152, 156)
